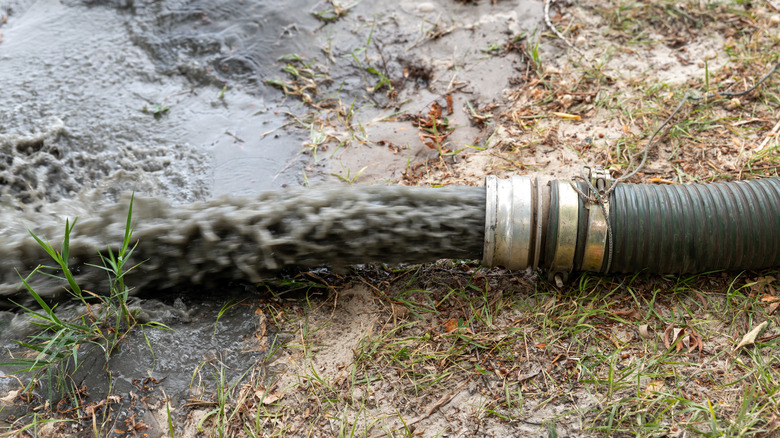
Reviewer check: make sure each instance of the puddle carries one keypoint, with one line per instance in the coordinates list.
(76, 121)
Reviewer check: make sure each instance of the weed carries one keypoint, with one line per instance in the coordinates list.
(60, 343)
(221, 417)
(347, 176)
(536, 58)
(306, 76)
(335, 12)
(383, 81)
(157, 109)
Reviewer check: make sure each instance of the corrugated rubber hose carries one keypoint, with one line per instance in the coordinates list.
(696, 227)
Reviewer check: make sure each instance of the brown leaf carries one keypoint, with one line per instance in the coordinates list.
(448, 98)
(269, 398)
(694, 341)
(769, 298)
(451, 325)
(765, 339)
(667, 336)
(688, 339)
(262, 323)
(677, 333)
(655, 386)
(772, 308)
(644, 332)
(435, 112)
(630, 313)
(750, 337)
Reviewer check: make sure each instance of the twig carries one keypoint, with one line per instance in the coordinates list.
(772, 134)
(439, 403)
(548, 21)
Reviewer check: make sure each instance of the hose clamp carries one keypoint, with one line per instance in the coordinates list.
(566, 239)
(599, 178)
(598, 228)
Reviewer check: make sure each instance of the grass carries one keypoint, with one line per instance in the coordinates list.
(544, 357)
(60, 345)
(347, 176)
(382, 79)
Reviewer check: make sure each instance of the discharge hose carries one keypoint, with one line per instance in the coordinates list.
(647, 228)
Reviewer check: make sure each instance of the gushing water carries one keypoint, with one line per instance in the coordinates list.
(250, 238)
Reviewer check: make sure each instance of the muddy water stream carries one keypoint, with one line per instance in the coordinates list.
(168, 99)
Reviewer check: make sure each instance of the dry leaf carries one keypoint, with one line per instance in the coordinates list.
(769, 298)
(695, 342)
(701, 344)
(772, 307)
(262, 325)
(630, 313)
(655, 386)
(528, 375)
(689, 339)
(750, 337)
(677, 333)
(644, 332)
(451, 325)
(269, 397)
(139, 426)
(657, 180)
(435, 111)
(10, 397)
(567, 116)
(765, 339)
(668, 336)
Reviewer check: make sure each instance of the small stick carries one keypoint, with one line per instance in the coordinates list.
(439, 403)
(548, 21)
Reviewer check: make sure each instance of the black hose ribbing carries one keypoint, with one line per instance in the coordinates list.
(695, 228)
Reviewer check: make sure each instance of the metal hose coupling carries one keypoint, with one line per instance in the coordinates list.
(512, 223)
(530, 225)
(561, 227)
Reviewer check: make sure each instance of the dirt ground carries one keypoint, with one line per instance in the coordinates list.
(453, 349)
